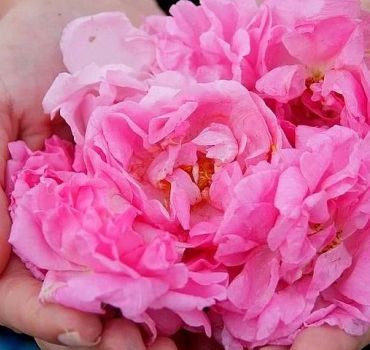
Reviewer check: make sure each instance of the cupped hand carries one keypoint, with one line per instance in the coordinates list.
(325, 338)
(118, 334)
(30, 59)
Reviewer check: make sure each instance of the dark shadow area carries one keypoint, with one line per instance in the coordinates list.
(166, 4)
(13, 341)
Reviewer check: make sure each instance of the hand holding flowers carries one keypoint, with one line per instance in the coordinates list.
(219, 175)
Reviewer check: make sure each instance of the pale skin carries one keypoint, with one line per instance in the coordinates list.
(30, 59)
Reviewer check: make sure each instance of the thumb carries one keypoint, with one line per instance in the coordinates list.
(326, 338)
(21, 309)
(5, 137)
(163, 344)
(4, 231)
(34, 136)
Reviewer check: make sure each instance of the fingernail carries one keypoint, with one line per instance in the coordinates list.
(74, 339)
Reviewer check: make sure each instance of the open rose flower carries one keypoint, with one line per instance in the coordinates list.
(314, 68)
(139, 193)
(208, 42)
(108, 60)
(86, 234)
(306, 60)
(310, 247)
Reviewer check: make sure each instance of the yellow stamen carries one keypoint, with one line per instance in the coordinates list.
(206, 171)
(316, 228)
(316, 77)
(334, 243)
(201, 174)
(165, 186)
(188, 169)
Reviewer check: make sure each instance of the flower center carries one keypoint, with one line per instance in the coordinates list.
(316, 77)
(338, 239)
(201, 174)
(334, 243)
(314, 109)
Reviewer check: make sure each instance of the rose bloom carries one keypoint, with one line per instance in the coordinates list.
(93, 247)
(208, 42)
(295, 235)
(308, 64)
(306, 60)
(317, 74)
(119, 218)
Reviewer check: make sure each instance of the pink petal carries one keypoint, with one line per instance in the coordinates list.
(106, 38)
(283, 83)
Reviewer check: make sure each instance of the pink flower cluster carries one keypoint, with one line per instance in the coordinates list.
(219, 178)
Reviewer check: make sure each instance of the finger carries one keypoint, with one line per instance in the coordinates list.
(121, 334)
(35, 134)
(5, 131)
(43, 345)
(20, 309)
(325, 338)
(118, 334)
(365, 339)
(5, 136)
(163, 344)
(4, 231)
(365, 4)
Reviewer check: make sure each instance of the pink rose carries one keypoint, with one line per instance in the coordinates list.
(140, 197)
(315, 72)
(108, 61)
(306, 249)
(307, 61)
(91, 246)
(208, 42)
(174, 143)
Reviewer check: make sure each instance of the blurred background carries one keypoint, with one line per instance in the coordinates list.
(12, 341)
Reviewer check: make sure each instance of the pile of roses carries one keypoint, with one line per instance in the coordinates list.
(219, 174)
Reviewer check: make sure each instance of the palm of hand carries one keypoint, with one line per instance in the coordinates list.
(20, 117)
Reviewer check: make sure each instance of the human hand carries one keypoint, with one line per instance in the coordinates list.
(118, 334)
(30, 59)
(325, 338)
